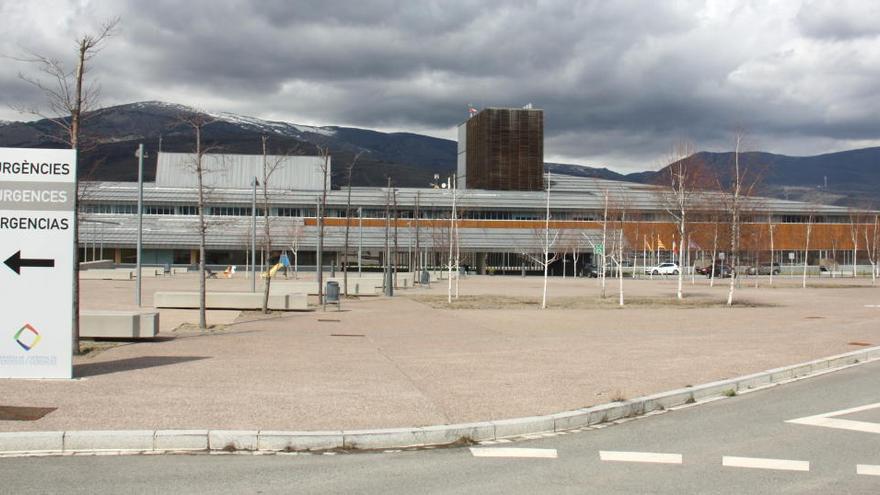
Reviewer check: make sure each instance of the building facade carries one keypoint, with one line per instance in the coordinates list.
(495, 230)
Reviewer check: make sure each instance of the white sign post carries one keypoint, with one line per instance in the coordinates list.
(37, 199)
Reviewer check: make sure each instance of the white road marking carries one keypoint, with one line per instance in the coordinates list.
(868, 470)
(872, 305)
(759, 463)
(653, 457)
(828, 420)
(513, 452)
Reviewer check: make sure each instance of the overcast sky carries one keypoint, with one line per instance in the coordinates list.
(620, 82)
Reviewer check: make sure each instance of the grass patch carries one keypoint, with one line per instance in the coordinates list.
(194, 328)
(490, 301)
(729, 393)
(92, 348)
(816, 285)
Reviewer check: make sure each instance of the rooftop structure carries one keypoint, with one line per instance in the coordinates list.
(502, 149)
(238, 171)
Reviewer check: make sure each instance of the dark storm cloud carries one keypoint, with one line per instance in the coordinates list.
(620, 82)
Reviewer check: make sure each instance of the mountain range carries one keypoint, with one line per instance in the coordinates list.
(113, 133)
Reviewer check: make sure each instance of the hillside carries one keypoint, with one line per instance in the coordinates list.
(853, 177)
(848, 178)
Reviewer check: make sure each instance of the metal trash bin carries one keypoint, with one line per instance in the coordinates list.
(331, 292)
(424, 278)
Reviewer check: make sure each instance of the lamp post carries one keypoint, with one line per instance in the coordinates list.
(360, 236)
(140, 222)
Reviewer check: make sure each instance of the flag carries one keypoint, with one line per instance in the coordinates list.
(660, 244)
(649, 246)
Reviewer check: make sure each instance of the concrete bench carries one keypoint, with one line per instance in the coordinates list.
(106, 274)
(358, 287)
(118, 324)
(405, 280)
(147, 271)
(86, 265)
(231, 300)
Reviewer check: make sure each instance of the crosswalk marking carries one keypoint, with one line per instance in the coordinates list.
(761, 463)
(651, 457)
(513, 452)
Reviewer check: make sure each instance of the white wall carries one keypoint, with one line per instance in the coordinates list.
(237, 171)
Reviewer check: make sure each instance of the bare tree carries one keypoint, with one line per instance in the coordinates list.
(269, 166)
(739, 186)
(70, 101)
(602, 270)
(616, 249)
(855, 219)
(453, 253)
(197, 122)
(349, 171)
(682, 174)
(771, 228)
(545, 245)
(322, 206)
(872, 247)
(295, 233)
(807, 246)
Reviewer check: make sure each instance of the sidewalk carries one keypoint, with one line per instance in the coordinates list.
(394, 363)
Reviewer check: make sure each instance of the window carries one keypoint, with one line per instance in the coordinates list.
(290, 212)
(158, 210)
(230, 211)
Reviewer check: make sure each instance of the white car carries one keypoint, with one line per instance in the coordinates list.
(663, 269)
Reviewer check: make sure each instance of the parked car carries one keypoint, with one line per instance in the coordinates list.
(764, 269)
(663, 269)
(704, 270)
(590, 271)
(722, 271)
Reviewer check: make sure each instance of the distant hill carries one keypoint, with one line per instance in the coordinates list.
(853, 177)
(847, 178)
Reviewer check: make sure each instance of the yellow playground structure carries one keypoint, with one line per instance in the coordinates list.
(272, 271)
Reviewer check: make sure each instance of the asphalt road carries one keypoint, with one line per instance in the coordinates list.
(795, 458)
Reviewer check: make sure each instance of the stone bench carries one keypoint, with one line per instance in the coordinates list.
(231, 300)
(118, 324)
(106, 274)
(357, 287)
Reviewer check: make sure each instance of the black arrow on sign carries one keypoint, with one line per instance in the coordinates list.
(16, 262)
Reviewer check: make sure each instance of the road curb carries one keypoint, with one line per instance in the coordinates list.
(168, 441)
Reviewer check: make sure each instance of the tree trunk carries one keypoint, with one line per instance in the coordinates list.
(267, 232)
(681, 236)
(807, 249)
(203, 323)
(74, 144)
(347, 227)
(604, 241)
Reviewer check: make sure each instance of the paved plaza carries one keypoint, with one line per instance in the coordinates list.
(408, 361)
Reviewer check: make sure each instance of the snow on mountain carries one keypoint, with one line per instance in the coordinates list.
(271, 126)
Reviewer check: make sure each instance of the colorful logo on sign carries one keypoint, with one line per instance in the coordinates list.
(27, 337)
